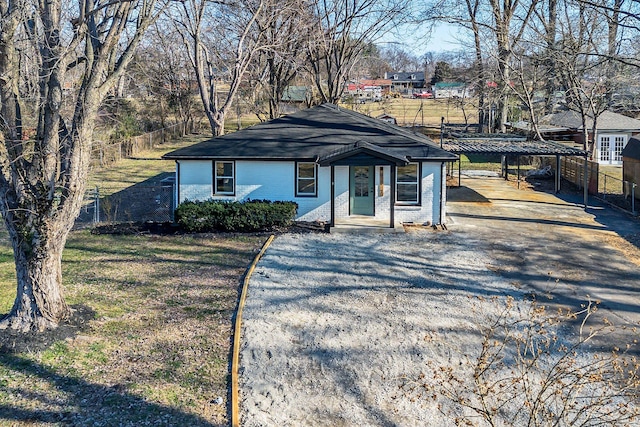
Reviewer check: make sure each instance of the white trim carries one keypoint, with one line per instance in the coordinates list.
(232, 177)
(416, 183)
(610, 146)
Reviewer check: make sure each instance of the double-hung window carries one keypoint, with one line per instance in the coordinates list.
(224, 178)
(306, 179)
(408, 184)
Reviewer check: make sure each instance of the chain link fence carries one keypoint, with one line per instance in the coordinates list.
(146, 201)
(611, 189)
(618, 192)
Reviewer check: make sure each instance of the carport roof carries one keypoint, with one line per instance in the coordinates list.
(510, 146)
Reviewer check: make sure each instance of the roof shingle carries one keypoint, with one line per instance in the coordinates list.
(311, 134)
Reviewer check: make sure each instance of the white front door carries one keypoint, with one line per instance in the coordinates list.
(610, 148)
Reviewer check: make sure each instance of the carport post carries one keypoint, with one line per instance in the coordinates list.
(459, 171)
(392, 196)
(333, 197)
(506, 168)
(558, 172)
(586, 181)
(518, 171)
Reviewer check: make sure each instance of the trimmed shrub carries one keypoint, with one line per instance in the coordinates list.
(250, 215)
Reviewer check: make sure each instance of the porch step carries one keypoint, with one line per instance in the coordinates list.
(366, 228)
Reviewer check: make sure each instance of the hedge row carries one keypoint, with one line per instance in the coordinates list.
(250, 215)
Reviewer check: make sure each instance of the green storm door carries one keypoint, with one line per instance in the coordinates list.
(361, 190)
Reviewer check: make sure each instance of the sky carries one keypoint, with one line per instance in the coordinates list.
(418, 41)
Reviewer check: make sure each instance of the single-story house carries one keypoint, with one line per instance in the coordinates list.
(387, 118)
(336, 164)
(442, 90)
(355, 87)
(613, 132)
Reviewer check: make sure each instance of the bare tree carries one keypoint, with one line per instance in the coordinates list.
(508, 28)
(286, 29)
(342, 31)
(165, 73)
(42, 179)
(529, 372)
(399, 59)
(222, 40)
(584, 68)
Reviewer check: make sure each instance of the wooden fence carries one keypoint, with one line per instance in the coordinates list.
(105, 154)
(572, 169)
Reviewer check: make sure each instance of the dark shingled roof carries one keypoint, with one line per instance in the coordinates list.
(632, 149)
(313, 134)
(607, 120)
(515, 146)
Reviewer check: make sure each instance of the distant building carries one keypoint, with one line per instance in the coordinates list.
(296, 94)
(363, 92)
(388, 119)
(631, 166)
(295, 98)
(451, 90)
(406, 83)
(613, 132)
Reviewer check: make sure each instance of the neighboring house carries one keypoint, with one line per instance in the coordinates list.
(297, 94)
(631, 165)
(388, 119)
(451, 90)
(364, 91)
(406, 83)
(385, 84)
(613, 132)
(294, 98)
(336, 164)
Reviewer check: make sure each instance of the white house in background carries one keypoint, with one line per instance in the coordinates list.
(451, 90)
(613, 132)
(336, 164)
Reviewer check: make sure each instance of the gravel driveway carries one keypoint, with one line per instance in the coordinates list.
(336, 326)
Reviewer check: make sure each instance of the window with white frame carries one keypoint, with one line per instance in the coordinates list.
(618, 145)
(408, 184)
(610, 148)
(605, 149)
(306, 179)
(224, 178)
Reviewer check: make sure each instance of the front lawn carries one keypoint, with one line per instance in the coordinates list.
(150, 340)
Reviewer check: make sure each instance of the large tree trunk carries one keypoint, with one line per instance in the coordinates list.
(42, 180)
(503, 97)
(39, 303)
(550, 57)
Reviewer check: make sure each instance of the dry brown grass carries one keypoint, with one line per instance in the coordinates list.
(150, 340)
(421, 112)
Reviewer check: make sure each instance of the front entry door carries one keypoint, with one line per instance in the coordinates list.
(361, 190)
